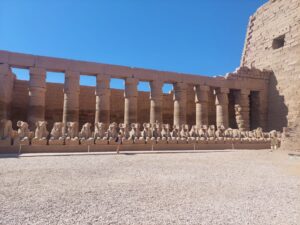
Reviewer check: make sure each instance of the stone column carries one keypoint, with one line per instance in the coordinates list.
(130, 95)
(242, 110)
(6, 89)
(71, 97)
(37, 92)
(102, 93)
(201, 100)
(156, 98)
(222, 107)
(180, 100)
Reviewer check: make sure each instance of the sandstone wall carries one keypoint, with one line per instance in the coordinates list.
(54, 105)
(275, 24)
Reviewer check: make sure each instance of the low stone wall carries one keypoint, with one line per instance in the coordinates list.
(129, 147)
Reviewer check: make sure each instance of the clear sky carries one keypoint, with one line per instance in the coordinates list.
(204, 37)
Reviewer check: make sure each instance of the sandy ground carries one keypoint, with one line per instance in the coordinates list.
(201, 187)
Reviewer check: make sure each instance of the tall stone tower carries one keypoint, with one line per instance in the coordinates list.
(273, 43)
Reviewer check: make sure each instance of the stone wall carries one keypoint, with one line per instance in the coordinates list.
(273, 43)
(54, 105)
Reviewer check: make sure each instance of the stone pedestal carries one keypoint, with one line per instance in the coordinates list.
(37, 91)
(6, 88)
(89, 141)
(130, 95)
(101, 141)
(56, 141)
(36, 141)
(102, 93)
(71, 98)
(156, 98)
(72, 141)
(242, 111)
(6, 142)
(180, 99)
(201, 100)
(222, 107)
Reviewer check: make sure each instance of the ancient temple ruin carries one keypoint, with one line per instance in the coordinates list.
(262, 93)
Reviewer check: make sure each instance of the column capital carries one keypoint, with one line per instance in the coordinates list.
(156, 89)
(131, 87)
(221, 90)
(179, 89)
(157, 83)
(180, 85)
(199, 87)
(37, 71)
(221, 96)
(72, 80)
(131, 80)
(102, 87)
(37, 78)
(72, 74)
(201, 93)
(102, 77)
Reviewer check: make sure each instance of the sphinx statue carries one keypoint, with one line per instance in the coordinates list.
(56, 134)
(124, 130)
(232, 135)
(251, 136)
(228, 135)
(211, 135)
(259, 135)
(158, 127)
(146, 132)
(244, 136)
(183, 134)
(72, 134)
(100, 136)
(24, 134)
(165, 132)
(112, 133)
(193, 132)
(85, 135)
(236, 135)
(41, 133)
(175, 132)
(219, 134)
(135, 134)
(202, 133)
(99, 132)
(193, 135)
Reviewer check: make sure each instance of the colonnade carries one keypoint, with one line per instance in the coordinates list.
(37, 89)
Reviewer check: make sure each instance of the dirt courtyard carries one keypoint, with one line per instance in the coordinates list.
(195, 187)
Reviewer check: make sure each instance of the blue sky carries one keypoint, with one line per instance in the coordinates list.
(202, 37)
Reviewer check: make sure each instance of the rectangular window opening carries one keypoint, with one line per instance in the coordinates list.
(278, 42)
